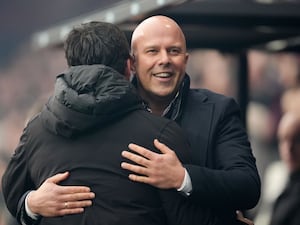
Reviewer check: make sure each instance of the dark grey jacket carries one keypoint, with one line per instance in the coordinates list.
(92, 116)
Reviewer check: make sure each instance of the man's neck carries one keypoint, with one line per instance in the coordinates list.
(157, 109)
(157, 105)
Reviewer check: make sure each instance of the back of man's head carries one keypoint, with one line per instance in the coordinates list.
(97, 43)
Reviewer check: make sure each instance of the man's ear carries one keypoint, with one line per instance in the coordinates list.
(132, 63)
(186, 57)
(127, 72)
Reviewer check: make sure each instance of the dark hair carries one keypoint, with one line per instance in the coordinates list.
(97, 43)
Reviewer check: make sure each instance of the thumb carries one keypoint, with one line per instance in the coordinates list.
(58, 177)
(161, 147)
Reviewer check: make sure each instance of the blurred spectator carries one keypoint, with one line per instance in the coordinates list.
(22, 83)
(289, 68)
(213, 70)
(263, 110)
(272, 169)
(286, 209)
(281, 190)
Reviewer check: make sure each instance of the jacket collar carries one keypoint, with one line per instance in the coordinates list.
(174, 109)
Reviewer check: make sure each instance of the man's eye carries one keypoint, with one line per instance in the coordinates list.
(174, 51)
(151, 51)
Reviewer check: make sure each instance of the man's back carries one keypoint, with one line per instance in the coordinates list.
(95, 159)
(86, 138)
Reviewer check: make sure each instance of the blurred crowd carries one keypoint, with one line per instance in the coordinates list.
(274, 89)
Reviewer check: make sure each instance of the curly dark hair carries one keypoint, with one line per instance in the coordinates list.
(97, 43)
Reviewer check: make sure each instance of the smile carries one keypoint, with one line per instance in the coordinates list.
(163, 75)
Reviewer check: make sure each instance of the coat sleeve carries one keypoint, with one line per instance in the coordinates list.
(178, 209)
(231, 180)
(16, 180)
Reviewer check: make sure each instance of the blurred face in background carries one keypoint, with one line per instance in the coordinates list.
(289, 141)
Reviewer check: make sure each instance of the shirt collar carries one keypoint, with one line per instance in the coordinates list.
(173, 110)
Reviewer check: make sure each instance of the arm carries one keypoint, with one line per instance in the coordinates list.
(16, 179)
(232, 180)
(47, 200)
(178, 209)
(50, 198)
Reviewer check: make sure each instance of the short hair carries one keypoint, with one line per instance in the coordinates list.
(97, 43)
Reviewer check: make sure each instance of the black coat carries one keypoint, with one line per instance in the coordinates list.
(223, 172)
(92, 116)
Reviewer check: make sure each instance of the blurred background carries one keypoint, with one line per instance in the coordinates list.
(246, 49)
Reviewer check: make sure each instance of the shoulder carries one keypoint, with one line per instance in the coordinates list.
(205, 96)
(32, 131)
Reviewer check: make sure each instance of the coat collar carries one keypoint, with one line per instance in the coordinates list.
(174, 109)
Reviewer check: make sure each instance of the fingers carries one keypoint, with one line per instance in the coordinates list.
(161, 147)
(66, 189)
(75, 191)
(58, 177)
(135, 168)
(72, 203)
(75, 203)
(72, 207)
(141, 179)
(78, 196)
(54, 180)
(70, 211)
(51, 199)
(147, 153)
(141, 151)
(65, 208)
(141, 158)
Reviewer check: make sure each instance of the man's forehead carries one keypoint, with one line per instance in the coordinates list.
(157, 32)
(159, 35)
(160, 44)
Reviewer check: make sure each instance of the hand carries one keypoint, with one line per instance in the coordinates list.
(160, 170)
(51, 200)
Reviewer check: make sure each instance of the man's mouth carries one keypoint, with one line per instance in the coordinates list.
(163, 75)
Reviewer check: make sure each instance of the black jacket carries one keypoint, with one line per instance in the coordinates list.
(223, 172)
(92, 116)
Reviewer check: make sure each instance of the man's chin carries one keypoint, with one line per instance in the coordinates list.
(164, 95)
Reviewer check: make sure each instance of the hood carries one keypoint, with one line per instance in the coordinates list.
(86, 97)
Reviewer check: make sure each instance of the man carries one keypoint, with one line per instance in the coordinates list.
(92, 116)
(286, 209)
(223, 175)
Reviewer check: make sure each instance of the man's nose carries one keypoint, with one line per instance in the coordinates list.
(164, 57)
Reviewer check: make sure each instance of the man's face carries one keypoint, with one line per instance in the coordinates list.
(290, 152)
(159, 60)
(289, 142)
